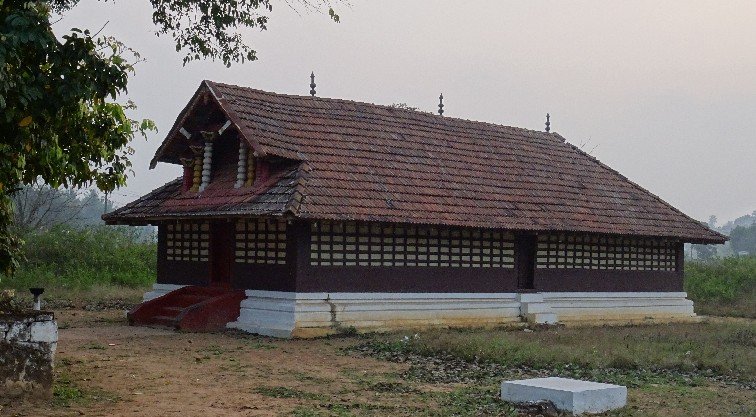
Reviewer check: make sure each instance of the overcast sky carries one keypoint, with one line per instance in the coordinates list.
(664, 92)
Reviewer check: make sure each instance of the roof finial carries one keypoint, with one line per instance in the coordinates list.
(548, 123)
(312, 84)
(441, 104)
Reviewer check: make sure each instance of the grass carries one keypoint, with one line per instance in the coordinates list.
(285, 392)
(94, 264)
(708, 348)
(723, 286)
(67, 394)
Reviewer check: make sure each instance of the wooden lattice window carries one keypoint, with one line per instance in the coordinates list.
(375, 244)
(261, 241)
(566, 251)
(187, 241)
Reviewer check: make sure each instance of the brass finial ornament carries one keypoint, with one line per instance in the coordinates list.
(548, 123)
(441, 104)
(312, 84)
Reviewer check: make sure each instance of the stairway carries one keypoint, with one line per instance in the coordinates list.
(534, 310)
(191, 308)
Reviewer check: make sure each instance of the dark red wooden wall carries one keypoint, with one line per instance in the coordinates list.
(298, 275)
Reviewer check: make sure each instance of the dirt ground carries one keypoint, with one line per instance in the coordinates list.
(105, 368)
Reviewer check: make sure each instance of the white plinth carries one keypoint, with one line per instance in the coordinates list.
(570, 395)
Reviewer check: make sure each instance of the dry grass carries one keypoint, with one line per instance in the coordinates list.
(720, 348)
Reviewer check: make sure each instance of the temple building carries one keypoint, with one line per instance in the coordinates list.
(302, 216)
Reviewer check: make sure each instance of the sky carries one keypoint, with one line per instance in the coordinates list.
(662, 91)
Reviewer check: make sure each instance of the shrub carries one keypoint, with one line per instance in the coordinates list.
(723, 287)
(722, 279)
(82, 258)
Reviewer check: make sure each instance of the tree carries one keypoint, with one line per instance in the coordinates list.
(60, 121)
(39, 207)
(705, 252)
(712, 222)
(743, 239)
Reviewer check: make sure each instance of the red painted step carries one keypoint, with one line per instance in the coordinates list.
(191, 308)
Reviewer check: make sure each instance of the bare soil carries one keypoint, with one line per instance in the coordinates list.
(105, 368)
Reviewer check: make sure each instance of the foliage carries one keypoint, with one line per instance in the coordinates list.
(59, 118)
(39, 207)
(70, 258)
(705, 252)
(208, 28)
(723, 286)
(721, 279)
(404, 106)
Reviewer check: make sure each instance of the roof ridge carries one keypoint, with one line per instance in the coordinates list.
(553, 135)
(294, 204)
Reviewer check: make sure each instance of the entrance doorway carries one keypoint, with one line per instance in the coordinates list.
(525, 257)
(221, 253)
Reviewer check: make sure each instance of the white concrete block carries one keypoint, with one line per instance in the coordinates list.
(542, 318)
(530, 297)
(533, 308)
(569, 395)
(44, 332)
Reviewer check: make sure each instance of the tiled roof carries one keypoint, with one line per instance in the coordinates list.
(377, 163)
(220, 199)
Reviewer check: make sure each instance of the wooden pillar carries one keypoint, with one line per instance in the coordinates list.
(207, 159)
(680, 258)
(241, 169)
(197, 167)
(298, 251)
(250, 166)
(525, 259)
(188, 164)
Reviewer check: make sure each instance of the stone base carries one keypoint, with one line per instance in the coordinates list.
(619, 307)
(288, 314)
(571, 395)
(283, 314)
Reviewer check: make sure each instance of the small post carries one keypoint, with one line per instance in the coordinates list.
(207, 159)
(441, 104)
(241, 169)
(548, 123)
(312, 84)
(37, 293)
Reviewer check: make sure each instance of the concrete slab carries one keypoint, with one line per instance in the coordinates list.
(566, 394)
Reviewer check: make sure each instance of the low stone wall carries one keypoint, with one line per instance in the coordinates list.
(27, 348)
